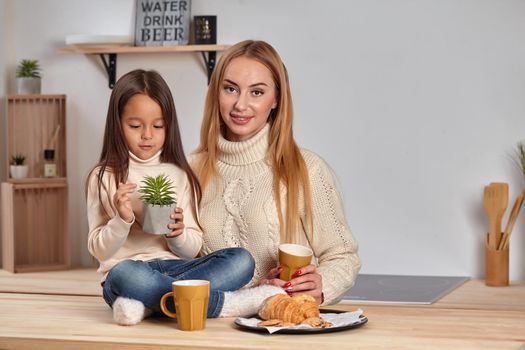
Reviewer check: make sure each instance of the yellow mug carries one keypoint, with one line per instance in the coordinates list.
(291, 258)
(191, 303)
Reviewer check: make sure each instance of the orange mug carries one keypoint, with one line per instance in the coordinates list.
(291, 258)
(191, 303)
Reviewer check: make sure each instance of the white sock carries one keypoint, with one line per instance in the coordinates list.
(128, 312)
(246, 302)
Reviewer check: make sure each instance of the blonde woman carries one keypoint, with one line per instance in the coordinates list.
(259, 188)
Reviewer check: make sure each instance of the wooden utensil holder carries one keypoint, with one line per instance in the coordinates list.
(496, 266)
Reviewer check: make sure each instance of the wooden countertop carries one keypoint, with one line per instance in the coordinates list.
(471, 317)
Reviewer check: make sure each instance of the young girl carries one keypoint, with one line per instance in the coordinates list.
(141, 139)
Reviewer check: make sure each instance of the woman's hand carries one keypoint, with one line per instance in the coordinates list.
(122, 201)
(178, 227)
(306, 281)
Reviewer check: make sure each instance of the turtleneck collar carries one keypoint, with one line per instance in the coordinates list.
(244, 152)
(133, 159)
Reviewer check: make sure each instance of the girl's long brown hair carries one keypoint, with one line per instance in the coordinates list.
(288, 165)
(115, 153)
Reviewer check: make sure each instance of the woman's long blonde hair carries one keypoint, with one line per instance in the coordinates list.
(284, 156)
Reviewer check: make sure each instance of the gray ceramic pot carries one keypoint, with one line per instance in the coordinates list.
(157, 218)
(28, 86)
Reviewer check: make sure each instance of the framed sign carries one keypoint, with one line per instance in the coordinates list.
(162, 22)
(205, 29)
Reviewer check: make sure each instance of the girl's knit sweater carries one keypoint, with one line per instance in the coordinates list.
(112, 240)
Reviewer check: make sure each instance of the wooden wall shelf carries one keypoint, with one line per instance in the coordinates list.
(98, 49)
(208, 52)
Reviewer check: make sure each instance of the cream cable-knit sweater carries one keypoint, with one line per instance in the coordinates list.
(240, 211)
(112, 240)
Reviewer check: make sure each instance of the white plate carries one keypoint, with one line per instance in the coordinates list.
(98, 39)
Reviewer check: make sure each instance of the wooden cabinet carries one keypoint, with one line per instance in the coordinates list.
(35, 233)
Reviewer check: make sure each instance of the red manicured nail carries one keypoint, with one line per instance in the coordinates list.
(297, 273)
(287, 284)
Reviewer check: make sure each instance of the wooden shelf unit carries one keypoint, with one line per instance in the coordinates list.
(31, 123)
(208, 52)
(35, 233)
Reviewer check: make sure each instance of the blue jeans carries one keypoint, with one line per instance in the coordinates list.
(147, 281)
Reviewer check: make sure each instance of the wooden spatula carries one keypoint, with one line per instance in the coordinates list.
(491, 204)
(502, 192)
(496, 198)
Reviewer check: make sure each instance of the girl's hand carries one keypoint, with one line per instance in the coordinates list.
(178, 227)
(273, 277)
(122, 201)
(306, 281)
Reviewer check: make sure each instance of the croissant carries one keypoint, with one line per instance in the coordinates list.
(288, 309)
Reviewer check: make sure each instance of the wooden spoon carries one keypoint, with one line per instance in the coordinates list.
(504, 243)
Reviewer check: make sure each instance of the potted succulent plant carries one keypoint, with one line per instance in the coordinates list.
(28, 77)
(18, 169)
(159, 200)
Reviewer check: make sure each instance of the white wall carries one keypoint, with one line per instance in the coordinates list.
(416, 105)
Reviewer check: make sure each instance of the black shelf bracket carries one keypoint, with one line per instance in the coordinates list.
(110, 64)
(111, 67)
(210, 58)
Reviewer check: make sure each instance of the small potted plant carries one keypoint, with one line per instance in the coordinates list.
(17, 168)
(159, 200)
(28, 77)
